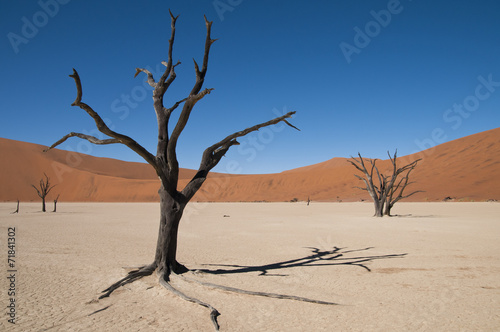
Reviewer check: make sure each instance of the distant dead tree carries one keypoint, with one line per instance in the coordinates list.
(17, 210)
(165, 163)
(44, 190)
(55, 203)
(385, 190)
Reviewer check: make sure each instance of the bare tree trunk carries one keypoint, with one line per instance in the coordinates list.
(171, 210)
(17, 210)
(55, 203)
(389, 204)
(43, 204)
(379, 208)
(387, 210)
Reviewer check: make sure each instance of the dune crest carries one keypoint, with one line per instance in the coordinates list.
(464, 169)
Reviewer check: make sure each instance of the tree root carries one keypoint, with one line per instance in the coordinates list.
(246, 292)
(213, 312)
(164, 281)
(131, 277)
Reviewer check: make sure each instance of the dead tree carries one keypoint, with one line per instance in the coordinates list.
(396, 192)
(385, 190)
(172, 200)
(55, 203)
(44, 190)
(17, 210)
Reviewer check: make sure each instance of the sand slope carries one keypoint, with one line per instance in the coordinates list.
(434, 269)
(465, 169)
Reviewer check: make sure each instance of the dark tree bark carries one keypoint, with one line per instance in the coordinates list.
(396, 191)
(385, 190)
(55, 203)
(44, 190)
(172, 200)
(377, 192)
(17, 210)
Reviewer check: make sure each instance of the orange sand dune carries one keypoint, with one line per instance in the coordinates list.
(464, 169)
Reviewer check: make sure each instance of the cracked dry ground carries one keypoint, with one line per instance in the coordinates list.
(448, 279)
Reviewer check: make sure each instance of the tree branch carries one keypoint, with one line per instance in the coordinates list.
(372, 189)
(169, 111)
(37, 191)
(151, 80)
(213, 154)
(170, 79)
(45, 187)
(168, 64)
(91, 139)
(249, 130)
(200, 74)
(354, 163)
(194, 96)
(103, 128)
(403, 186)
(361, 187)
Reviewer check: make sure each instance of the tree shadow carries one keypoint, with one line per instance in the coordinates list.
(319, 257)
(412, 216)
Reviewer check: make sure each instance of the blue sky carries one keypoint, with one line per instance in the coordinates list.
(363, 76)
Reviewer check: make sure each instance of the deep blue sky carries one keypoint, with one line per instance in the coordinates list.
(392, 86)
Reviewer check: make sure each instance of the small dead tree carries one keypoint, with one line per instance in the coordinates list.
(172, 200)
(55, 203)
(17, 210)
(44, 190)
(385, 190)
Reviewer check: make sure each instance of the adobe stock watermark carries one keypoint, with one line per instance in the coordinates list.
(456, 114)
(31, 26)
(223, 6)
(363, 37)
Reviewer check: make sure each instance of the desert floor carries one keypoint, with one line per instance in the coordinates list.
(435, 267)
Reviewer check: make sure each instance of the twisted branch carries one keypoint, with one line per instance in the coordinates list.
(89, 138)
(45, 187)
(192, 99)
(103, 128)
(213, 154)
(151, 80)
